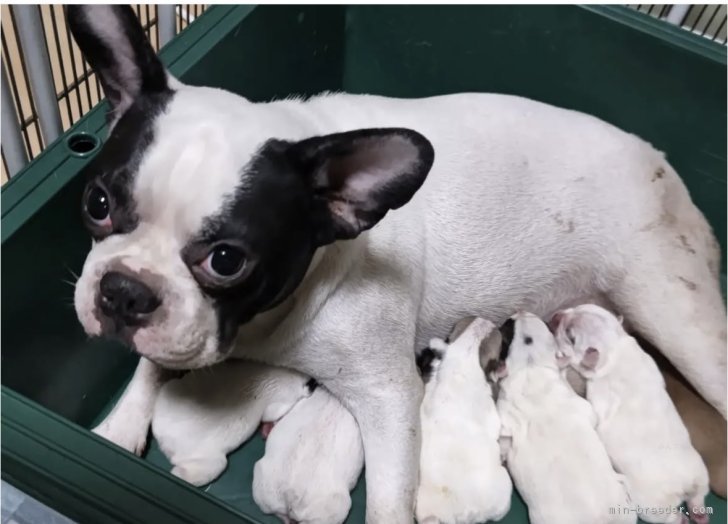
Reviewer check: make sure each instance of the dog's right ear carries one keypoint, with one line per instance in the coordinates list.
(113, 42)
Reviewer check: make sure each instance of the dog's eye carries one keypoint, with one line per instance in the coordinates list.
(224, 261)
(570, 336)
(98, 205)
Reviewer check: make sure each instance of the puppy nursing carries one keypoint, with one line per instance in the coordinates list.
(202, 417)
(462, 480)
(313, 458)
(638, 423)
(551, 447)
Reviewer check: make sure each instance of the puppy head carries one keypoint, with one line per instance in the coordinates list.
(489, 348)
(585, 333)
(206, 210)
(532, 343)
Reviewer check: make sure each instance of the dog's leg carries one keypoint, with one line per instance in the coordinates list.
(670, 294)
(388, 417)
(128, 423)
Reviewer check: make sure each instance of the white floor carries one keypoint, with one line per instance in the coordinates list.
(19, 508)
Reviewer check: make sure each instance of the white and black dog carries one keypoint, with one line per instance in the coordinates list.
(224, 228)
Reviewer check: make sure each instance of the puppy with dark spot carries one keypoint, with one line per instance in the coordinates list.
(552, 449)
(462, 480)
(638, 423)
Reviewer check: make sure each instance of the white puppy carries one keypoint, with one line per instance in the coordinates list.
(558, 464)
(638, 423)
(462, 480)
(205, 415)
(313, 458)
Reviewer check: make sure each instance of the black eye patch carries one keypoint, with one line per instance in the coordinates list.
(527, 340)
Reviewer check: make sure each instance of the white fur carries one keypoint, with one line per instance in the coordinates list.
(202, 417)
(638, 423)
(462, 480)
(313, 458)
(555, 457)
(526, 206)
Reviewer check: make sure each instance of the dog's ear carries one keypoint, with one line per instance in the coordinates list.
(113, 42)
(358, 176)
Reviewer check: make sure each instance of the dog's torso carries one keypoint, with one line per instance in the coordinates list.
(642, 431)
(510, 206)
(313, 458)
(462, 480)
(555, 450)
(207, 414)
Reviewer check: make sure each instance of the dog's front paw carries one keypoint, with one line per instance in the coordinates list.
(128, 436)
(200, 471)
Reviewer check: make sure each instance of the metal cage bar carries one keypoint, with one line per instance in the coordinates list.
(35, 51)
(13, 149)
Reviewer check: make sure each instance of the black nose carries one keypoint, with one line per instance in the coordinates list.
(127, 299)
(506, 337)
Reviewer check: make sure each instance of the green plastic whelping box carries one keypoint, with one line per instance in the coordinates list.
(654, 80)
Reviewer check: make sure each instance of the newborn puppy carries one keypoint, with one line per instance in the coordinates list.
(638, 423)
(313, 458)
(207, 414)
(462, 480)
(552, 449)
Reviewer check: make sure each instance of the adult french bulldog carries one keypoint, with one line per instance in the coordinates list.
(224, 228)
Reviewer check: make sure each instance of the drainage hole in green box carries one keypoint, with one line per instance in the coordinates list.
(82, 144)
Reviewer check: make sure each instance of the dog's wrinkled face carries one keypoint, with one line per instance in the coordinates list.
(585, 333)
(206, 209)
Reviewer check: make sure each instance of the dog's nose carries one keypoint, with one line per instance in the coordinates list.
(125, 298)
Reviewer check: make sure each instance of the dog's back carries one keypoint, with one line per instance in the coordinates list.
(555, 450)
(643, 432)
(313, 458)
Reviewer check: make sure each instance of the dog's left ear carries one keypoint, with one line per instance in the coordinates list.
(113, 42)
(358, 176)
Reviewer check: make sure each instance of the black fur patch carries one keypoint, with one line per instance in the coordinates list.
(312, 385)
(279, 215)
(506, 329)
(148, 74)
(115, 165)
(425, 360)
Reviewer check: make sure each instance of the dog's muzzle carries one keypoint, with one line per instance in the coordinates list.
(125, 300)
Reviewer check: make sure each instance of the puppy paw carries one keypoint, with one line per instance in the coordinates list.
(201, 471)
(127, 436)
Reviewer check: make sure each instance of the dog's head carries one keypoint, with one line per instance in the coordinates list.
(206, 209)
(531, 343)
(584, 333)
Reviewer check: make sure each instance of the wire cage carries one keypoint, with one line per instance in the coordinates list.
(41, 30)
(47, 86)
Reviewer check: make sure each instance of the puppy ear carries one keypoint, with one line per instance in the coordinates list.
(113, 42)
(358, 176)
(590, 359)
